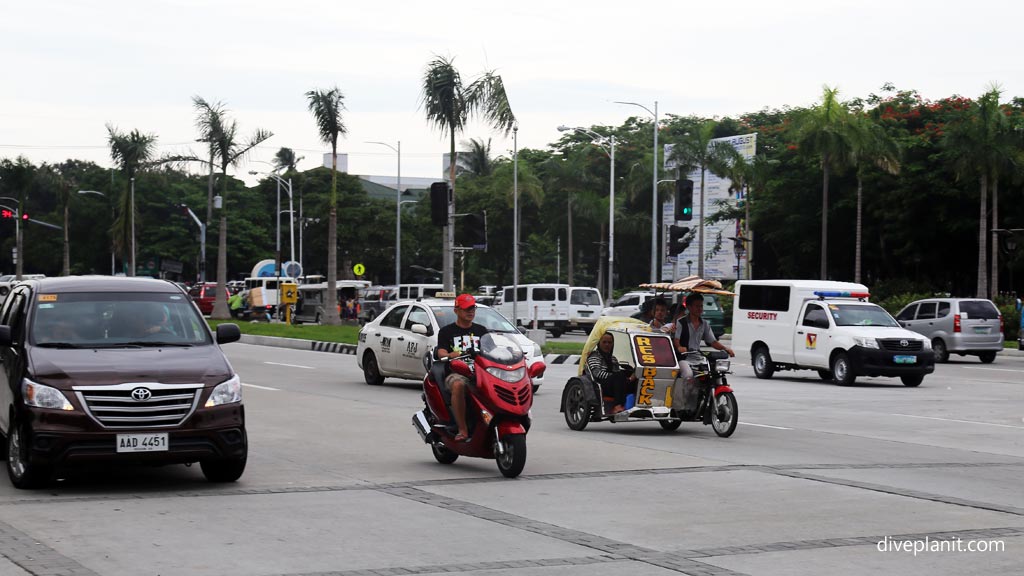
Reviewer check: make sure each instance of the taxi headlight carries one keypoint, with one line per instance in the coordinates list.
(226, 392)
(42, 396)
(866, 342)
(510, 376)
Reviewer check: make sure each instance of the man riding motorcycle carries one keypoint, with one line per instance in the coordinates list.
(455, 340)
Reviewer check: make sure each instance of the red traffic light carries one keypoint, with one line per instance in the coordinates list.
(24, 216)
(5, 213)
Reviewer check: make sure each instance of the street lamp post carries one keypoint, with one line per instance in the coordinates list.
(398, 211)
(112, 216)
(17, 236)
(202, 235)
(291, 220)
(610, 152)
(654, 191)
(131, 271)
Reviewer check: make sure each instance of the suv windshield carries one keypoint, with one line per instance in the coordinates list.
(861, 315)
(113, 319)
(486, 317)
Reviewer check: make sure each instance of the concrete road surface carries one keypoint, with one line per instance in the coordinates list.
(871, 479)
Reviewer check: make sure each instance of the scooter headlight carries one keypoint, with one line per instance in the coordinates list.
(226, 392)
(510, 376)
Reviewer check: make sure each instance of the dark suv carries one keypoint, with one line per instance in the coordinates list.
(107, 369)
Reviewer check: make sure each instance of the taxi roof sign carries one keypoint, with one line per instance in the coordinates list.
(445, 295)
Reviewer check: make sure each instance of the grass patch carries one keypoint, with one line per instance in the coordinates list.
(562, 347)
(342, 334)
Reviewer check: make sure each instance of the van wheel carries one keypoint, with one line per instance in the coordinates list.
(987, 357)
(825, 375)
(912, 380)
(223, 470)
(23, 474)
(371, 370)
(842, 372)
(763, 367)
(555, 333)
(941, 353)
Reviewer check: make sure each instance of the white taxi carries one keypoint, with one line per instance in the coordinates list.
(394, 344)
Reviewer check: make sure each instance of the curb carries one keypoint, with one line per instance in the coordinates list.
(562, 358)
(297, 344)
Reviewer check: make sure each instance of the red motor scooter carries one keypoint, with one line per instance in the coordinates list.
(497, 406)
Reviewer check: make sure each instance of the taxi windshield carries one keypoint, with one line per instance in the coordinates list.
(487, 317)
(498, 347)
(861, 315)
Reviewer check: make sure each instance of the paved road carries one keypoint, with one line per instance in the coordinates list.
(339, 483)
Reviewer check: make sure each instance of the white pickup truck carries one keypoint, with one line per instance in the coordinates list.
(825, 326)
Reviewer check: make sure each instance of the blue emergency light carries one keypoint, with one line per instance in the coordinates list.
(841, 294)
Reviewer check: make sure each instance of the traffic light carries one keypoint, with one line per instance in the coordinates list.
(439, 200)
(684, 199)
(678, 239)
(5, 213)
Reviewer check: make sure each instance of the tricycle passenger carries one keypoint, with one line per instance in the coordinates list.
(607, 372)
(660, 321)
(693, 329)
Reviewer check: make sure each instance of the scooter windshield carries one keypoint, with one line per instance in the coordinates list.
(500, 348)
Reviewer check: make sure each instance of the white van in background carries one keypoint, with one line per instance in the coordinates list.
(585, 307)
(548, 304)
(414, 291)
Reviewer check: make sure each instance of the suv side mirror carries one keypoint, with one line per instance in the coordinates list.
(227, 333)
(5, 335)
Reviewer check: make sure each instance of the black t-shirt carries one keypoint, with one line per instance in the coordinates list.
(454, 338)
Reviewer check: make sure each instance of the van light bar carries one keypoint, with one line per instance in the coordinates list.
(841, 294)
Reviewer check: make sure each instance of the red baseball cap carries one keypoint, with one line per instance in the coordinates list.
(465, 301)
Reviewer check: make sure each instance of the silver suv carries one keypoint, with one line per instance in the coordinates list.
(964, 326)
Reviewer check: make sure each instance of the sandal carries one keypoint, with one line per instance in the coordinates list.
(460, 437)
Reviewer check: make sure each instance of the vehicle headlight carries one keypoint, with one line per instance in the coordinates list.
(926, 344)
(866, 342)
(722, 365)
(226, 392)
(510, 376)
(42, 396)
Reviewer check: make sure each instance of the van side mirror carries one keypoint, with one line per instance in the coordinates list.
(5, 335)
(419, 329)
(227, 333)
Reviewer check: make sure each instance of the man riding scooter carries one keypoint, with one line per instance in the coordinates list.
(455, 340)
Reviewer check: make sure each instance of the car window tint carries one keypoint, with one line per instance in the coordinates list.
(561, 294)
(815, 316)
(631, 301)
(14, 315)
(394, 318)
(979, 309)
(585, 297)
(943, 309)
(907, 313)
(544, 294)
(418, 316)
(926, 311)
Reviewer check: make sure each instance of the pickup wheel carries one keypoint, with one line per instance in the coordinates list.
(825, 375)
(763, 367)
(842, 371)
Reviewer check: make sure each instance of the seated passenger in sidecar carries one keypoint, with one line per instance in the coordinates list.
(615, 379)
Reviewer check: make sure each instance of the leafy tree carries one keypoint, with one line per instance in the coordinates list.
(327, 107)
(448, 105)
(286, 161)
(824, 132)
(131, 152)
(872, 147)
(210, 120)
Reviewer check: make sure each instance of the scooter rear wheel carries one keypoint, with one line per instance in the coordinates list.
(443, 455)
(511, 463)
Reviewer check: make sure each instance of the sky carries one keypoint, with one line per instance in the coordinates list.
(73, 66)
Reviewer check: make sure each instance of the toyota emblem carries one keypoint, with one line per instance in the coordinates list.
(141, 394)
(903, 343)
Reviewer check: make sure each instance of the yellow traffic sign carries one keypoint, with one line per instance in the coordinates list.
(359, 269)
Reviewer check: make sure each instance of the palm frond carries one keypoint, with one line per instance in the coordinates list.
(327, 107)
(444, 99)
(487, 96)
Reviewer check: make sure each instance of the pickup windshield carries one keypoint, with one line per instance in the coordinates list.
(861, 315)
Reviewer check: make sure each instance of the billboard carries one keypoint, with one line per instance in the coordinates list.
(720, 259)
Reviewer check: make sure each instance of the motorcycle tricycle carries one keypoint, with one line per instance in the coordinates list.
(498, 402)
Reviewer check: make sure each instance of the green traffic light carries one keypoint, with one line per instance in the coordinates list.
(687, 210)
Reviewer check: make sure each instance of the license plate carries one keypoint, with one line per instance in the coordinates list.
(981, 329)
(142, 442)
(547, 324)
(585, 313)
(905, 359)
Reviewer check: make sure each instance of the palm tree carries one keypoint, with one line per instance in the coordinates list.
(977, 146)
(131, 152)
(823, 132)
(697, 151)
(475, 158)
(210, 119)
(872, 147)
(286, 160)
(448, 105)
(326, 107)
(230, 151)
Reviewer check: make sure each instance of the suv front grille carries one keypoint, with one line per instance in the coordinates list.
(897, 344)
(139, 405)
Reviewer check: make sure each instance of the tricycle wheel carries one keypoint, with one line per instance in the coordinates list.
(442, 454)
(577, 410)
(511, 463)
(670, 425)
(725, 414)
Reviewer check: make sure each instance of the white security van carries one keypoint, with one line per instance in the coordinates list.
(585, 307)
(548, 304)
(825, 326)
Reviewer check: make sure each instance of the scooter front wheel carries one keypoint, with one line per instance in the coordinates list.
(442, 454)
(512, 461)
(725, 414)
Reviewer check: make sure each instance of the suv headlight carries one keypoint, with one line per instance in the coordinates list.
(865, 342)
(42, 396)
(226, 392)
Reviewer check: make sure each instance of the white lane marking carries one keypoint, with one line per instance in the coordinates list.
(997, 369)
(960, 421)
(291, 365)
(261, 387)
(765, 426)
